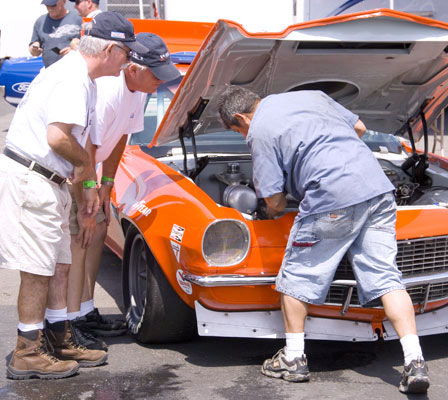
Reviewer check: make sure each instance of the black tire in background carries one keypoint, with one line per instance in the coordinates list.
(154, 311)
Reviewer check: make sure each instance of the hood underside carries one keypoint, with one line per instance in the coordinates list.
(383, 65)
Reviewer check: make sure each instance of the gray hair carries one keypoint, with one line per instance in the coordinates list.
(236, 100)
(92, 46)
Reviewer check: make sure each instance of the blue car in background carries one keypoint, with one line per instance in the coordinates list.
(16, 75)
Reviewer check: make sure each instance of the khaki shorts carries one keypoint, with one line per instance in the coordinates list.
(74, 226)
(34, 232)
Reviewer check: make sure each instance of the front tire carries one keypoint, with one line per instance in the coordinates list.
(154, 311)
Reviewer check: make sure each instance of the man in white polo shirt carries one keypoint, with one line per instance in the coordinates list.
(44, 147)
(119, 113)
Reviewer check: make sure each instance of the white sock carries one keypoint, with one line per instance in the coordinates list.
(73, 315)
(86, 307)
(295, 345)
(30, 327)
(411, 348)
(53, 316)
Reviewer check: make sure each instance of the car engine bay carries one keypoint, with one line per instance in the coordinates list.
(227, 179)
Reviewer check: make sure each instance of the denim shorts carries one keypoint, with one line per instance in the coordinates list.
(318, 242)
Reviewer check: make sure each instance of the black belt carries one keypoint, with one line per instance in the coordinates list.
(34, 166)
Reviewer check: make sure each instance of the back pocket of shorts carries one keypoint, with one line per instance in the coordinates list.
(335, 224)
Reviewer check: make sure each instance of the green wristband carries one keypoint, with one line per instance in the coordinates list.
(89, 184)
(107, 179)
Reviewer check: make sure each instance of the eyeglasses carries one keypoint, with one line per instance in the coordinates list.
(128, 52)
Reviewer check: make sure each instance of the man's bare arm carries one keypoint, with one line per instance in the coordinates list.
(360, 128)
(276, 204)
(63, 143)
(111, 164)
(109, 169)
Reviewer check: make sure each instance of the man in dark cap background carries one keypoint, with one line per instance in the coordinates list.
(87, 8)
(45, 146)
(53, 32)
(119, 112)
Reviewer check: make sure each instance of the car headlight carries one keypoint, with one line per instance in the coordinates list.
(225, 242)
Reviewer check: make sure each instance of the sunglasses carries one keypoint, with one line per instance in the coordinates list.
(128, 52)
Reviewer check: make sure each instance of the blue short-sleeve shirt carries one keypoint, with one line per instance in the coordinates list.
(304, 143)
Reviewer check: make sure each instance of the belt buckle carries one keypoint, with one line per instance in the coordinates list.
(52, 177)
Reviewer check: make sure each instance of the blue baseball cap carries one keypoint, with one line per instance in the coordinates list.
(110, 25)
(157, 57)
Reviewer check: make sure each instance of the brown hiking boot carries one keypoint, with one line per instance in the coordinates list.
(66, 345)
(32, 359)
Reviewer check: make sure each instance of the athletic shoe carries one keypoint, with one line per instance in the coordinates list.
(414, 378)
(98, 325)
(85, 338)
(292, 371)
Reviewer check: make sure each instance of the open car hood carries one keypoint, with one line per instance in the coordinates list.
(383, 65)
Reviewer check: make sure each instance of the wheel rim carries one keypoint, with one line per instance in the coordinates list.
(137, 277)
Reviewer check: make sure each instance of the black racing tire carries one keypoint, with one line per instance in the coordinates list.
(154, 311)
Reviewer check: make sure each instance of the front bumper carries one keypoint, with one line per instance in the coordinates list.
(426, 283)
(269, 325)
(243, 280)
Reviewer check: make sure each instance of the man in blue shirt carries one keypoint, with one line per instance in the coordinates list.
(306, 144)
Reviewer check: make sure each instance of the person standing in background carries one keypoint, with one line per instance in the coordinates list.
(87, 8)
(53, 32)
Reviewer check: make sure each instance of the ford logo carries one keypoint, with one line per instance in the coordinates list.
(20, 87)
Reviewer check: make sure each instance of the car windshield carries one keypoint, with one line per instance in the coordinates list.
(222, 142)
(156, 106)
(382, 142)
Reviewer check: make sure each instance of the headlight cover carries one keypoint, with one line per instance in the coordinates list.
(226, 242)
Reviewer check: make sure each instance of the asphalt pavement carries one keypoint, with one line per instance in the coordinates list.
(210, 368)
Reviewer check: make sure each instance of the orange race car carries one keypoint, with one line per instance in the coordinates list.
(198, 253)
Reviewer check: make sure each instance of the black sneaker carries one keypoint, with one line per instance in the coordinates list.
(414, 378)
(98, 325)
(292, 371)
(85, 338)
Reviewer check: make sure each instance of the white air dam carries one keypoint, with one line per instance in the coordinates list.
(269, 325)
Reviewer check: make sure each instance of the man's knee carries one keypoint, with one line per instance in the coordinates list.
(28, 279)
(61, 272)
(100, 231)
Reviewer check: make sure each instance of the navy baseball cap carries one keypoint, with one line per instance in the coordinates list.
(110, 25)
(50, 3)
(93, 1)
(157, 57)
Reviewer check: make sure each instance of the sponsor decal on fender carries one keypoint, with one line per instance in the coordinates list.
(184, 285)
(141, 208)
(176, 249)
(177, 233)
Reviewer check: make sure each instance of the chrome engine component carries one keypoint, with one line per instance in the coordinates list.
(240, 197)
